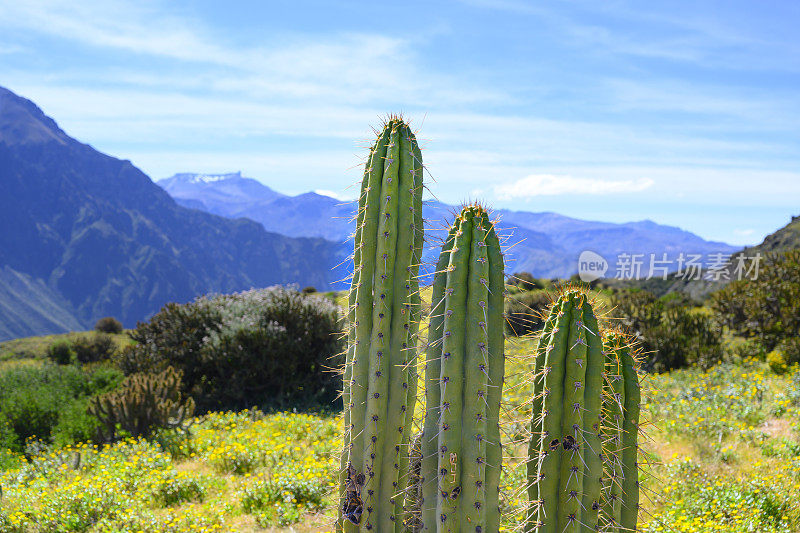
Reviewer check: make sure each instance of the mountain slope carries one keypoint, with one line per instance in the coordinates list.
(99, 233)
(545, 244)
(29, 307)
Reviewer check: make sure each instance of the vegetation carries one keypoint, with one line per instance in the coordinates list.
(108, 324)
(525, 312)
(49, 402)
(723, 448)
(141, 405)
(271, 348)
(673, 333)
(766, 310)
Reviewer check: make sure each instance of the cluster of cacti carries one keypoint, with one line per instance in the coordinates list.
(380, 379)
(582, 467)
(461, 450)
(143, 403)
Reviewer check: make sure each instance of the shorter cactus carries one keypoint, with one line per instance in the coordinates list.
(564, 464)
(620, 429)
(143, 403)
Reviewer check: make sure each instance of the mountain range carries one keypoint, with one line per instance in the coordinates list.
(85, 235)
(545, 244)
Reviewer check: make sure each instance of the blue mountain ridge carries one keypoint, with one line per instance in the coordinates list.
(545, 244)
(85, 235)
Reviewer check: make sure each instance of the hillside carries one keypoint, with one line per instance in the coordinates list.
(784, 239)
(545, 244)
(87, 235)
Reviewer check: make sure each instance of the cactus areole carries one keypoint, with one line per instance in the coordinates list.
(380, 376)
(461, 453)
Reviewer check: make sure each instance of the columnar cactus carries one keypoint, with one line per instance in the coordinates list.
(620, 428)
(380, 372)
(565, 464)
(461, 451)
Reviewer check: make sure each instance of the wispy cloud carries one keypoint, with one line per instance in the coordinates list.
(551, 185)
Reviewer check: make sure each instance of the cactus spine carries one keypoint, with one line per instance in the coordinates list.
(622, 397)
(465, 361)
(564, 476)
(380, 371)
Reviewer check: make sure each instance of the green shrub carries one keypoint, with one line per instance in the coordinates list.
(525, 312)
(270, 347)
(108, 324)
(671, 333)
(94, 348)
(35, 400)
(61, 352)
(790, 348)
(767, 308)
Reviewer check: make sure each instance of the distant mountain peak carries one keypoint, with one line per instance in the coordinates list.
(191, 177)
(22, 122)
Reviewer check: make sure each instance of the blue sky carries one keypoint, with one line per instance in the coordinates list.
(683, 113)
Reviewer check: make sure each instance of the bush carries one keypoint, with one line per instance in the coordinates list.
(525, 312)
(672, 334)
(108, 324)
(61, 352)
(309, 290)
(94, 348)
(39, 401)
(768, 308)
(270, 347)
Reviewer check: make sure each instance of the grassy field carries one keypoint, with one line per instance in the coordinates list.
(723, 447)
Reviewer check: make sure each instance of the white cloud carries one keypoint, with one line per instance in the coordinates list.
(551, 184)
(744, 232)
(333, 194)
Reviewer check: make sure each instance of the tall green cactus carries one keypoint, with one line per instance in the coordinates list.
(461, 451)
(620, 428)
(565, 462)
(380, 372)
